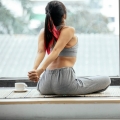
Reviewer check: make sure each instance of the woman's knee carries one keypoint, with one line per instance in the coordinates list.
(107, 81)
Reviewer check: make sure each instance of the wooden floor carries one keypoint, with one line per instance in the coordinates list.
(9, 93)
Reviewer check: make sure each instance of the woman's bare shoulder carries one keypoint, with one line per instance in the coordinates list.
(41, 35)
(41, 31)
(70, 27)
(68, 30)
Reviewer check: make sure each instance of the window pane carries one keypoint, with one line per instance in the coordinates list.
(97, 55)
(97, 27)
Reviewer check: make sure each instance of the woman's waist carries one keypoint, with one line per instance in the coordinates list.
(62, 62)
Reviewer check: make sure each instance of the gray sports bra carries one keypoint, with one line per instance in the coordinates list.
(69, 52)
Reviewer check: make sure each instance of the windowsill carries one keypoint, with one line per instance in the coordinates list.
(9, 96)
(32, 104)
(14, 78)
(9, 82)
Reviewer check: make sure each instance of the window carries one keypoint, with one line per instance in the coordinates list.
(111, 19)
(96, 27)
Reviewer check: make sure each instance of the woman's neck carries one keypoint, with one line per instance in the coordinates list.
(60, 26)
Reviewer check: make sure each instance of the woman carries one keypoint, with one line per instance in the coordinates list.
(61, 45)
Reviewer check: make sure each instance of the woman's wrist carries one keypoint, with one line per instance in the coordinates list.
(40, 71)
(34, 68)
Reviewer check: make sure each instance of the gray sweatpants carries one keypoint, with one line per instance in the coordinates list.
(63, 81)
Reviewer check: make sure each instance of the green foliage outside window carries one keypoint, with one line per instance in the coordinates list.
(82, 19)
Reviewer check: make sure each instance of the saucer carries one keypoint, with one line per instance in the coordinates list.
(15, 90)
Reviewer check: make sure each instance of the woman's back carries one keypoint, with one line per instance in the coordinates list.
(67, 56)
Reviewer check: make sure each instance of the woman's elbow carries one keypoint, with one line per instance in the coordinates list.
(40, 51)
(55, 52)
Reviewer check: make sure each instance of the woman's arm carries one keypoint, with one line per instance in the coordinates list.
(41, 50)
(40, 55)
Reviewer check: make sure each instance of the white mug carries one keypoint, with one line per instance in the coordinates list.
(20, 86)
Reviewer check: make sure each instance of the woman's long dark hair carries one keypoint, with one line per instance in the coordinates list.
(55, 10)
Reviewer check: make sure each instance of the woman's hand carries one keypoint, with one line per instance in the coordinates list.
(34, 75)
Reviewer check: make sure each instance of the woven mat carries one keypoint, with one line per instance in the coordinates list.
(112, 91)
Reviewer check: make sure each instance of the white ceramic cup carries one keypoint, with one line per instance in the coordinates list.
(20, 86)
